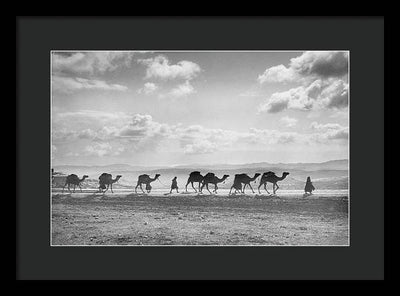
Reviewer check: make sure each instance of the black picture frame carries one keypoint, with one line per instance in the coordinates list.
(363, 37)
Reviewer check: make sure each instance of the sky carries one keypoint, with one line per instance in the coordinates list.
(158, 108)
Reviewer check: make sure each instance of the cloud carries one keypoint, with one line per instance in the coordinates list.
(277, 74)
(102, 149)
(310, 65)
(182, 90)
(148, 88)
(289, 121)
(321, 63)
(336, 94)
(329, 131)
(159, 67)
(270, 137)
(140, 132)
(322, 76)
(330, 93)
(200, 147)
(68, 85)
(90, 62)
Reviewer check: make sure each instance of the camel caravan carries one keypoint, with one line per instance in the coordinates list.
(240, 182)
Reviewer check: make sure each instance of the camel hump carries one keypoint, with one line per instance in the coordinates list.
(143, 176)
(73, 176)
(195, 173)
(209, 175)
(104, 176)
(240, 175)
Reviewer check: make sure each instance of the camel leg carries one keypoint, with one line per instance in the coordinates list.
(141, 188)
(251, 188)
(216, 187)
(208, 189)
(202, 186)
(80, 187)
(69, 190)
(277, 187)
(137, 185)
(187, 185)
(231, 191)
(63, 188)
(265, 187)
(193, 187)
(244, 187)
(111, 189)
(74, 188)
(259, 188)
(108, 185)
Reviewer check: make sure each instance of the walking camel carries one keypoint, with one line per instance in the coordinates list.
(74, 180)
(145, 179)
(210, 178)
(106, 181)
(245, 179)
(263, 181)
(272, 178)
(194, 177)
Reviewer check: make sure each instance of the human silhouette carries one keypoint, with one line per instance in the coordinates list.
(148, 187)
(309, 188)
(174, 185)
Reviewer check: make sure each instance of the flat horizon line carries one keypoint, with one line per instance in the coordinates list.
(198, 164)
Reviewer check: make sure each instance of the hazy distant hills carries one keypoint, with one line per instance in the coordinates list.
(326, 175)
(341, 164)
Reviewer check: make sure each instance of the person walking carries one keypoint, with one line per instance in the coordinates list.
(174, 185)
(309, 188)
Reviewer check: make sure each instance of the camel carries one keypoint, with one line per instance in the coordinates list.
(106, 181)
(272, 178)
(194, 177)
(74, 180)
(245, 179)
(145, 179)
(237, 186)
(263, 181)
(210, 178)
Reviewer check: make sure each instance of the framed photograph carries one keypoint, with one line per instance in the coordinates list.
(200, 158)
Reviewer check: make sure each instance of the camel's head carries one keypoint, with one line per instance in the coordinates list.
(157, 175)
(85, 176)
(225, 176)
(118, 177)
(285, 173)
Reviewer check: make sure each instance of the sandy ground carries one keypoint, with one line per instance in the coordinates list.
(125, 218)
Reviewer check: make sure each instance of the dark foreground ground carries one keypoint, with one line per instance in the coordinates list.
(133, 219)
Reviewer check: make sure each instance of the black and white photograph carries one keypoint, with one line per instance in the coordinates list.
(199, 148)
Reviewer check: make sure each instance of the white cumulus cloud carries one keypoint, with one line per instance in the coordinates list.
(148, 88)
(160, 67)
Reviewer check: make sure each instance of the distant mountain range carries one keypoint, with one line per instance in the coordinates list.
(341, 164)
